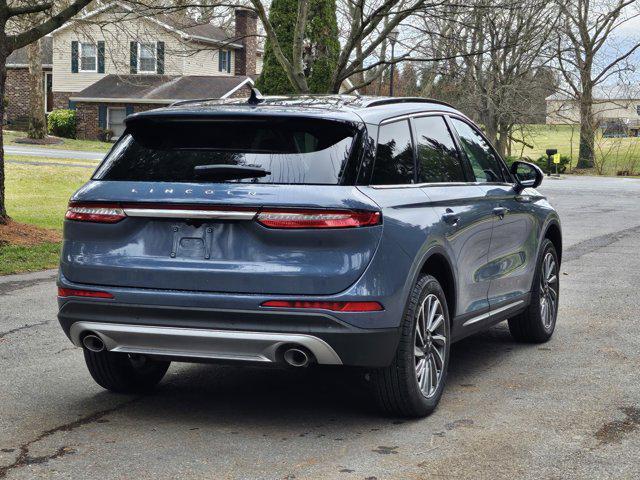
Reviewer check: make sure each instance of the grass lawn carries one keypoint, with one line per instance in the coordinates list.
(67, 143)
(38, 195)
(612, 154)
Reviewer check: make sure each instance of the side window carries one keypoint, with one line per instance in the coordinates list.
(438, 159)
(394, 155)
(486, 167)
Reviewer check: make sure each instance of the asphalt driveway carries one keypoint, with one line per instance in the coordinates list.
(566, 409)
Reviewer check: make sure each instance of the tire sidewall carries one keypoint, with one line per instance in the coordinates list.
(547, 247)
(426, 285)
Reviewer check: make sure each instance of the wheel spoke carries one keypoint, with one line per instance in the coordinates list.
(418, 352)
(434, 374)
(426, 375)
(434, 304)
(419, 336)
(439, 356)
(441, 339)
(436, 323)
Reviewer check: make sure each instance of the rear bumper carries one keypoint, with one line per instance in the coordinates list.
(221, 334)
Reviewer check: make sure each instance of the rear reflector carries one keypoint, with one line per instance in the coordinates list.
(333, 306)
(71, 292)
(95, 213)
(317, 218)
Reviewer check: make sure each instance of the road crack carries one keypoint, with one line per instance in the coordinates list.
(23, 327)
(8, 287)
(587, 246)
(24, 459)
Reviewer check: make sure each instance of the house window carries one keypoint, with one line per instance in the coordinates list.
(115, 121)
(147, 56)
(224, 61)
(88, 57)
(638, 109)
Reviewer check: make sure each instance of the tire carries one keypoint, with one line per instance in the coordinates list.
(396, 387)
(535, 325)
(125, 373)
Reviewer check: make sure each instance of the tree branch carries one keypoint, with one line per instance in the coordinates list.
(25, 38)
(27, 9)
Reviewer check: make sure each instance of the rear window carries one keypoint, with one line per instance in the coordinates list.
(291, 151)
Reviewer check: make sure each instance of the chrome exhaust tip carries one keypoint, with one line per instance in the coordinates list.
(93, 343)
(296, 357)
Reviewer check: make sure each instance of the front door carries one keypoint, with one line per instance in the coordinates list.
(465, 216)
(48, 92)
(511, 260)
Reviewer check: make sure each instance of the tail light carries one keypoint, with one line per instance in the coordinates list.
(317, 218)
(333, 306)
(99, 213)
(72, 292)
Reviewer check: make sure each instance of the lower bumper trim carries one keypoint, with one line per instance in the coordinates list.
(201, 343)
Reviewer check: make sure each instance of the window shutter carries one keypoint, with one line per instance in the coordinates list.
(74, 57)
(160, 58)
(100, 57)
(220, 61)
(228, 61)
(102, 116)
(133, 61)
(129, 110)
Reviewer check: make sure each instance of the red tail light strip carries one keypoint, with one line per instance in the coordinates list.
(71, 292)
(333, 306)
(95, 213)
(317, 218)
(271, 218)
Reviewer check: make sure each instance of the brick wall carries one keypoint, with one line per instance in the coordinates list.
(61, 99)
(243, 92)
(246, 33)
(17, 94)
(87, 117)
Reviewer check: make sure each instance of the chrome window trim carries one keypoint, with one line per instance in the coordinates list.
(440, 184)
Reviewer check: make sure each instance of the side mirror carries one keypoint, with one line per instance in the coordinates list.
(527, 175)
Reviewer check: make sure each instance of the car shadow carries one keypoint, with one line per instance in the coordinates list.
(255, 396)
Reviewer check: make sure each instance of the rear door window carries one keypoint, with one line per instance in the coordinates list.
(394, 163)
(291, 151)
(486, 166)
(438, 159)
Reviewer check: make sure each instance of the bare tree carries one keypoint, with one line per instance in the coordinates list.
(57, 14)
(584, 61)
(37, 118)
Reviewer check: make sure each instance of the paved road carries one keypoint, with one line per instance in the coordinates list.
(52, 153)
(566, 409)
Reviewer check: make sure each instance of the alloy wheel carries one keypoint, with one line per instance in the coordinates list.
(430, 345)
(548, 290)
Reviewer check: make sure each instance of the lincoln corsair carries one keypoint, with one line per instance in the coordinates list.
(334, 230)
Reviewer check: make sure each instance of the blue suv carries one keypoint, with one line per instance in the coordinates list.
(334, 230)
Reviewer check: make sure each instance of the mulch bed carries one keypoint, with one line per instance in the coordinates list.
(41, 141)
(14, 233)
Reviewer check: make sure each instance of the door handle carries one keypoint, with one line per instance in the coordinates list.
(500, 212)
(450, 217)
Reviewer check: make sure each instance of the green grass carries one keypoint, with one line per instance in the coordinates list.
(17, 259)
(612, 154)
(67, 143)
(39, 194)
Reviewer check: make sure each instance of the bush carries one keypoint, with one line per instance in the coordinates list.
(541, 162)
(62, 123)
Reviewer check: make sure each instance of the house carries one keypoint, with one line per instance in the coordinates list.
(113, 62)
(615, 107)
(17, 89)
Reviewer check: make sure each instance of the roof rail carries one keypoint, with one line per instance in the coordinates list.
(194, 100)
(391, 100)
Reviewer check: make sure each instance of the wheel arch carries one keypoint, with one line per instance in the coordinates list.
(554, 233)
(436, 263)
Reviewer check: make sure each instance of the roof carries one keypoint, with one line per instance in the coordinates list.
(605, 92)
(160, 88)
(20, 57)
(347, 107)
(185, 27)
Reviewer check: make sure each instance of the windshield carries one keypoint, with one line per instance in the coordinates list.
(290, 151)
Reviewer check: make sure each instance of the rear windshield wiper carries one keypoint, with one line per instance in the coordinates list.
(229, 172)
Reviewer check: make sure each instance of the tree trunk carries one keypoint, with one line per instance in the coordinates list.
(586, 156)
(37, 119)
(3, 78)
